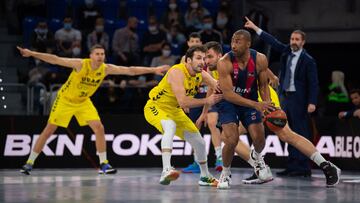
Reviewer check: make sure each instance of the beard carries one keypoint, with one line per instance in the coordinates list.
(294, 47)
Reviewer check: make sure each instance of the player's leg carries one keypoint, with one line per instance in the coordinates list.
(212, 120)
(39, 145)
(331, 171)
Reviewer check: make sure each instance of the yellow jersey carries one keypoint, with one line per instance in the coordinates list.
(83, 84)
(215, 74)
(273, 96)
(163, 95)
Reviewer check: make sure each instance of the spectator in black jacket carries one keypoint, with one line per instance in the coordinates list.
(355, 112)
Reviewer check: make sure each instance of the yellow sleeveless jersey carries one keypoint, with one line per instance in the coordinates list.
(81, 85)
(163, 95)
(215, 74)
(273, 96)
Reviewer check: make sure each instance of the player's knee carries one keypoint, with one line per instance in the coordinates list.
(230, 140)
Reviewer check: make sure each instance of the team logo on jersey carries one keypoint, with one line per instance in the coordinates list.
(98, 74)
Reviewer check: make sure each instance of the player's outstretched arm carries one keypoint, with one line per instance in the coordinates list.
(135, 70)
(52, 59)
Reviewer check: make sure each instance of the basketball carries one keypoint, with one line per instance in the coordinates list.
(276, 120)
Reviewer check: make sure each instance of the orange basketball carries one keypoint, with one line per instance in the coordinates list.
(276, 120)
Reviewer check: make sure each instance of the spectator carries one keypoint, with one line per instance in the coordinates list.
(125, 44)
(338, 92)
(223, 25)
(355, 100)
(166, 58)
(42, 39)
(176, 39)
(172, 17)
(88, 15)
(194, 16)
(208, 33)
(67, 39)
(98, 36)
(154, 38)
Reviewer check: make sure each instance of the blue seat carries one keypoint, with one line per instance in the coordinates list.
(226, 48)
(176, 49)
(29, 24)
(141, 29)
(55, 24)
(159, 7)
(138, 8)
(183, 5)
(56, 8)
(109, 27)
(109, 8)
(211, 5)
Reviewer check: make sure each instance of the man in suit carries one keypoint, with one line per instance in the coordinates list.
(298, 91)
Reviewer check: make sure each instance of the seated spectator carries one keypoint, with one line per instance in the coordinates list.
(355, 100)
(153, 40)
(42, 39)
(98, 36)
(171, 17)
(194, 15)
(125, 44)
(67, 39)
(223, 25)
(176, 38)
(166, 58)
(88, 15)
(337, 98)
(208, 33)
(193, 39)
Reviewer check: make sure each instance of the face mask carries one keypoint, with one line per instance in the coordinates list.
(194, 5)
(67, 26)
(99, 28)
(166, 52)
(207, 26)
(76, 51)
(133, 29)
(41, 31)
(172, 6)
(221, 22)
(152, 28)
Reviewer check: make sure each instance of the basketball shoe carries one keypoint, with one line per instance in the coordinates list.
(168, 175)
(106, 168)
(224, 181)
(332, 173)
(255, 180)
(192, 168)
(262, 170)
(218, 164)
(208, 181)
(26, 169)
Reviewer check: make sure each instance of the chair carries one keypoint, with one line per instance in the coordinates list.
(29, 24)
(56, 9)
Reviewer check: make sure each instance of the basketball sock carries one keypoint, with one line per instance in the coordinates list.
(226, 170)
(166, 160)
(251, 161)
(218, 152)
(102, 157)
(32, 157)
(317, 158)
(254, 155)
(204, 172)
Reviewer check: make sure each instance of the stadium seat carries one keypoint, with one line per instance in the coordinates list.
(29, 24)
(109, 8)
(212, 6)
(183, 5)
(159, 7)
(55, 24)
(56, 8)
(138, 8)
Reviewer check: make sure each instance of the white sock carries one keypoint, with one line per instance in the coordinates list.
(218, 152)
(317, 158)
(204, 169)
(32, 157)
(226, 170)
(166, 160)
(102, 157)
(254, 154)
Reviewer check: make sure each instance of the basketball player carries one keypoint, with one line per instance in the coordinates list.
(164, 110)
(73, 99)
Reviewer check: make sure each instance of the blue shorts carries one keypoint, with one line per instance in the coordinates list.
(231, 113)
(214, 108)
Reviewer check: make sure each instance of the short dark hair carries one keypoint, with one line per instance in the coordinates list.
(216, 46)
(300, 32)
(244, 33)
(354, 91)
(190, 52)
(96, 46)
(194, 35)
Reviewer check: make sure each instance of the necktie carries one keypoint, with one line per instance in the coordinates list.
(286, 83)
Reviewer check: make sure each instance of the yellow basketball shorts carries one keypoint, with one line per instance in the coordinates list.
(62, 111)
(154, 114)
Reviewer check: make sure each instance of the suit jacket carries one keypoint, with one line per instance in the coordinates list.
(306, 76)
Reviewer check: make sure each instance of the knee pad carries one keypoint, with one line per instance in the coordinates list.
(198, 144)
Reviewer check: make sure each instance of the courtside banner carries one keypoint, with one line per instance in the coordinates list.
(131, 142)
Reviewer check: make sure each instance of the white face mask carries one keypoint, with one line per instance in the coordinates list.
(166, 52)
(194, 5)
(152, 29)
(76, 51)
(99, 28)
(172, 6)
(221, 22)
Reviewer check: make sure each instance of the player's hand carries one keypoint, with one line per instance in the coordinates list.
(202, 119)
(311, 108)
(217, 88)
(274, 82)
(161, 70)
(24, 52)
(249, 24)
(341, 114)
(213, 99)
(264, 107)
(357, 113)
